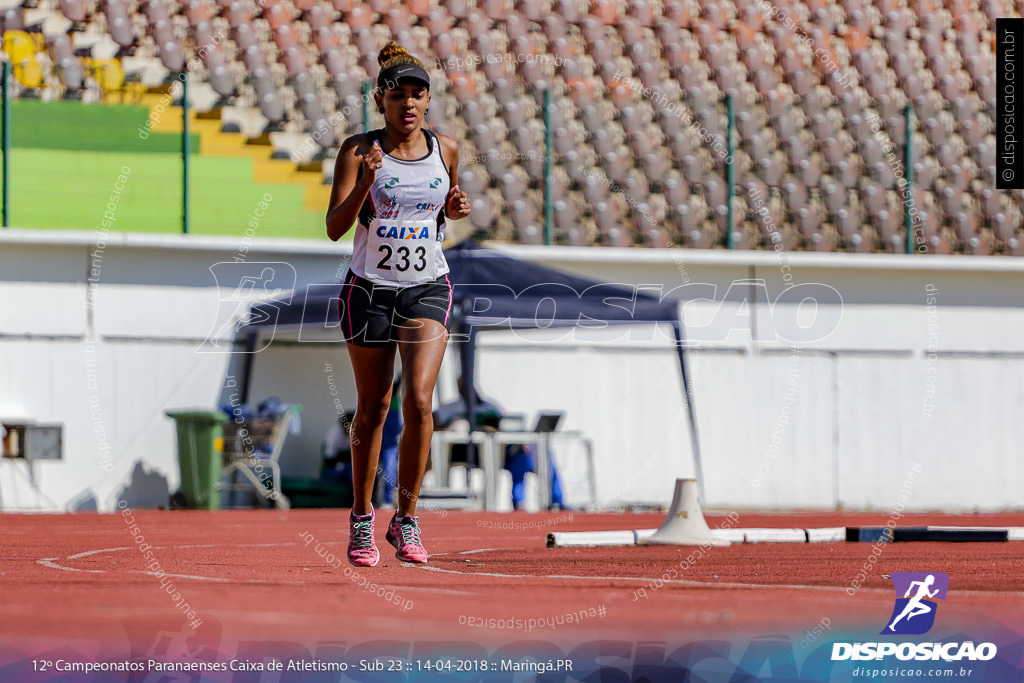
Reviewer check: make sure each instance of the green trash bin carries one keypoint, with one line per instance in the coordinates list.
(200, 456)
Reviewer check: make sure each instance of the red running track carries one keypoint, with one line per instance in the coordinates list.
(257, 574)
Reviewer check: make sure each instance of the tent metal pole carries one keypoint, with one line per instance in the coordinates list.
(549, 211)
(186, 139)
(687, 399)
(469, 381)
(730, 172)
(7, 144)
(247, 358)
(908, 165)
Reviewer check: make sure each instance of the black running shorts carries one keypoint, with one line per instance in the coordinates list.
(370, 313)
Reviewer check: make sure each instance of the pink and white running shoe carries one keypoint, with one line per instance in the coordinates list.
(404, 534)
(362, 551)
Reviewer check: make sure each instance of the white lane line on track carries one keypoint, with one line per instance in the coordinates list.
(569, 577)
(49, 562)
(182, 576)
(695, 584)
(482, 550)
(469, 552)
(640, 579)
(94, 552)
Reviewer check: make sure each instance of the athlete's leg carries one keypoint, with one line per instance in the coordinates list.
(557, 498)
(374, 369)
(421, 345)
(917, 610)
(518, 461)
(904, 613)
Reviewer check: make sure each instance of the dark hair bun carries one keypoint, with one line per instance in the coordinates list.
(390, 51)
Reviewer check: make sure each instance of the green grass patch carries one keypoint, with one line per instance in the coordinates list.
(89, 127)
(61, 189)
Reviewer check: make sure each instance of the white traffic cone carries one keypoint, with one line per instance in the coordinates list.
(685, 524)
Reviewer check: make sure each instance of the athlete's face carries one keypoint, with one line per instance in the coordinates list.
(405, 105)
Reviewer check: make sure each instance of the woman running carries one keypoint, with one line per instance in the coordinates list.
(401, 183)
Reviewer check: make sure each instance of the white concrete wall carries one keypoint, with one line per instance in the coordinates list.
(109, 372)
(925, 366)
(837, 423)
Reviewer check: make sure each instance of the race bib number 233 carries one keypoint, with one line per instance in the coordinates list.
(402, 251)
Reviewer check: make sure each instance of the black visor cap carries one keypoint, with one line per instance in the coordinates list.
(389, 78)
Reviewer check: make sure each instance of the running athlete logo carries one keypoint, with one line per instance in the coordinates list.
(240, 287)
(914, 613)
(390, 183)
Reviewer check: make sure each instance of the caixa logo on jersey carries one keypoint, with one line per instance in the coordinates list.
(914, 611)
(403, 232)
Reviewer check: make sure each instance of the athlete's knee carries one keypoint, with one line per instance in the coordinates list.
(371, 413)
(417, 407)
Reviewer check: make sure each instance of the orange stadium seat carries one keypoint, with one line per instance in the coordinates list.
(462, 85)
(606, 11)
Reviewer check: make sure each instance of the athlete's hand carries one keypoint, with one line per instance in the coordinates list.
(372, 161)
(457, 204)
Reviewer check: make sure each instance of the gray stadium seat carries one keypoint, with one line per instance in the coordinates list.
(75, 10)
(71, 74)
(172, 56)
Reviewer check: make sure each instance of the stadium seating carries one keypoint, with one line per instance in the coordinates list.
(637, 93)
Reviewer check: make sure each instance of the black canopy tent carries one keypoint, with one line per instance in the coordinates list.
(492, 291)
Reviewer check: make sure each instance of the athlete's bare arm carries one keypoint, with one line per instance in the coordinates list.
(456, 205)
(348, 194)
(910, 588)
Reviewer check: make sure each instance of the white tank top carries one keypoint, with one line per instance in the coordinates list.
(401, 223)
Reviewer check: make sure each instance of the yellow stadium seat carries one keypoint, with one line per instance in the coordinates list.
(18, 45)
(109, 74)
(29, 73)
